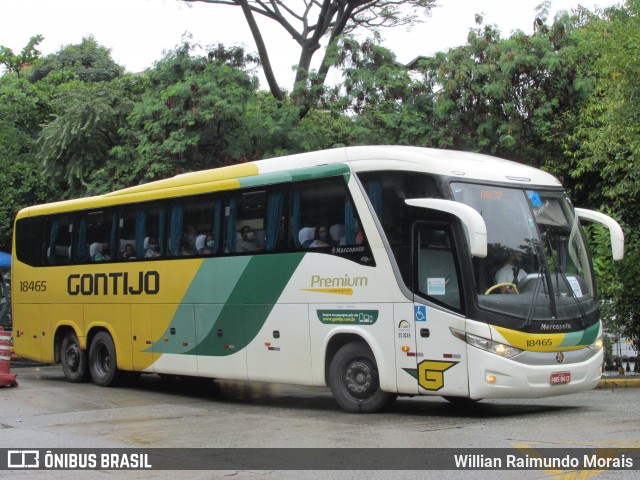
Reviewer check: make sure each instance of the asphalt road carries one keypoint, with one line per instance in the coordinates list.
(45, 411)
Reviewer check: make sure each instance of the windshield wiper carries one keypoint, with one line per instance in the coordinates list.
(536, 289)
(534, 301)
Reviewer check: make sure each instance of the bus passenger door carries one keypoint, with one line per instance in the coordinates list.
(441, 357)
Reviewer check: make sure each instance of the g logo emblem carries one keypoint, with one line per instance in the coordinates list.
(431, 373)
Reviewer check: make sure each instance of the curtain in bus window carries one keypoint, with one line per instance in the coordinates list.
(81, 252)
(51, 257)
(274, 217)
(113, 237)
(175, 232)
(295, 218)
(231, 226)
(374, 190)
(217, 227)
(350, 223)
(161, 233)
(141, 220)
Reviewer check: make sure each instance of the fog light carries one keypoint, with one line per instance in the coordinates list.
(491, 379)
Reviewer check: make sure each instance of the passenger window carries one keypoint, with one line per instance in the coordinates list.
(127, 235)
(436, 268)
(150, 222)
(97, 237)
(32, 242)
(245, 222)
(323, 216)
(59, 250)
(195, 227)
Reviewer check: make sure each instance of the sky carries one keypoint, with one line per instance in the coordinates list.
(138, 31)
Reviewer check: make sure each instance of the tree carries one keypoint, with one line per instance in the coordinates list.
(501, 96)
(87, 61)
(507, 96)
(385, 102)
(191, 117)
(87, 119)
(603, 149)
(17, 63)
(311, 21)
(23, 108)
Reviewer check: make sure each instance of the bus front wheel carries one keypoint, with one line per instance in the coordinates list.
(354, 380)
(74, 359)
(102, 360)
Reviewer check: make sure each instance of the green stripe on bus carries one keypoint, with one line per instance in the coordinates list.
(584, 337)
(294, 175)
(228, 302)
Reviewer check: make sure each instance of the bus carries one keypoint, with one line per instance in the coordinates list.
(377, 271)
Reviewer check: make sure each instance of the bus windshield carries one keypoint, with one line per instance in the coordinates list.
(537, 267)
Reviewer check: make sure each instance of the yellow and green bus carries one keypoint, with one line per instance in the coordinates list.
(377, 271)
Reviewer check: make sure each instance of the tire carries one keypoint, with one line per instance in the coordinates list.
(102, 361)
(354, 380)
(75, 363)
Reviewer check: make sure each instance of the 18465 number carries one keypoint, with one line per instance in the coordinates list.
(34, 286)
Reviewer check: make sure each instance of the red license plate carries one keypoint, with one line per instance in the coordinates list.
(559, 378)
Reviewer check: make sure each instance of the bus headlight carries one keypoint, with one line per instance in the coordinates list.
(506, 351)
(598, 344)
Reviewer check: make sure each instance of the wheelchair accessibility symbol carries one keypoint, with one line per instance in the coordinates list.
(420, 313)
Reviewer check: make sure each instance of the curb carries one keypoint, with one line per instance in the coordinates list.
(619, 382)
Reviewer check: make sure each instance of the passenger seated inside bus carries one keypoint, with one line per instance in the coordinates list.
(153, 249)
(204, 244)
(98, 252)
(320, 238)
(247, 241)
(129, 251)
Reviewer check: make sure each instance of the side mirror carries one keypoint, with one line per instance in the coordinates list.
(474, 226)
(615, 231)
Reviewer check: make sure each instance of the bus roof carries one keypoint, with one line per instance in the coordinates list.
(471, 166)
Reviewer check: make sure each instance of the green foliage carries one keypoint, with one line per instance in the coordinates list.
(385, 104)
(191, 116)
(87, 62)
(16, 63)
(203, 112)
(76, 143)
(506, 96)
(23, 107)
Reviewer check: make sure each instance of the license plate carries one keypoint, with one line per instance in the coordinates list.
(559, 378)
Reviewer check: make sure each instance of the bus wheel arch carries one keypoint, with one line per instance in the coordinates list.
(69, 352)
(103, 365)
(352, 373)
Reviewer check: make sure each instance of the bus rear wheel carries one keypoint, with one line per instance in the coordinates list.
(354, 380)
(102, 360)
(74, 359)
